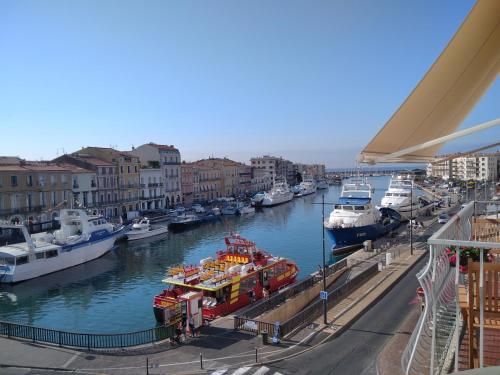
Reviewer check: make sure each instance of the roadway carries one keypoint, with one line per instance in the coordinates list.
(357, 349)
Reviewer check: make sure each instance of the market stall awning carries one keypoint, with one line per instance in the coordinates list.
(439, 103)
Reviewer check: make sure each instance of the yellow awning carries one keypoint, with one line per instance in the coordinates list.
(439, 103)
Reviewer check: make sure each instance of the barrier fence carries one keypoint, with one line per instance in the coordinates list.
(86, 340)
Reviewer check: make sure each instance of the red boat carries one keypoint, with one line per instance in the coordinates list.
(227, 283)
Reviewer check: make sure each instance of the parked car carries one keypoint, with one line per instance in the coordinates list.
(443, 218)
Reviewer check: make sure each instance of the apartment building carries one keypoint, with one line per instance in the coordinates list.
(278, 167)
(245, 182)
(152, 188)
(187, 183)
(168, 159)
(128, 166)
(34, 191)
(207, 183)
(311, 170)
(235, 178)
(108, 199)
(262, 180)
(479, 167)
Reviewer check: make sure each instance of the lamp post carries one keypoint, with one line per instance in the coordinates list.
(325, 301)
(411, 218)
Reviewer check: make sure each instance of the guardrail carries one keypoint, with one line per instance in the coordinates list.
(86, 340)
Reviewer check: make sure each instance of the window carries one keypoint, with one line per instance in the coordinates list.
(51, 254)
(111, 170)
(63, 179)
(13, 180)
(41, 180)
(121, 168)
(29, 180)
(40, 255)
(42, 199)
(359, 208)
(22, 260)
(103, 170)
(53, 179)
(135, 168)
(54, 198)
(280, 268)
(128, 169)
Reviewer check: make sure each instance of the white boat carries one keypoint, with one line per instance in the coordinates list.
(354, 219)
(143, 229)
(307, 187)
(232, 208)
(321, 184)
(296, 189)
(198, 208)
(401, 196)
(280, 193)
(245, 210)
(82, 238)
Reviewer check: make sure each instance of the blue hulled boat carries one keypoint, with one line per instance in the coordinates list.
(355, 220)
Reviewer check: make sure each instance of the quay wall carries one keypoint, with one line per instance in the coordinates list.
(297, 303)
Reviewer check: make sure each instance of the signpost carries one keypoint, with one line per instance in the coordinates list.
(323, 295)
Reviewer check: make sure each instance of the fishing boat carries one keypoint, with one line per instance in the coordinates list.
(183, 222)
(279, 194)
(143, 229)
(401, 196)
(228, 282)
(355, 220)
(81, 238)
(295, 189)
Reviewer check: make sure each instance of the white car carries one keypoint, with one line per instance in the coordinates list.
(443, 218)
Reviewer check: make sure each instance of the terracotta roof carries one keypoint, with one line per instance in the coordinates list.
(34, 167)
(163, 147)
(9, 160)
(74, 168)
(91, 159)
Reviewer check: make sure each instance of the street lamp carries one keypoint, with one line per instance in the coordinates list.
(325, 301)
(411, 218)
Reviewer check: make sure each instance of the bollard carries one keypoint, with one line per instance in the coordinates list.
(201, 361)
(147, 365)
(256, 360)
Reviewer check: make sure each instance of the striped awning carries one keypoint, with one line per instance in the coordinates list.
(455, 82)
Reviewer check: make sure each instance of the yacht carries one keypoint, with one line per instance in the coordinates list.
(321, 184)
(81, 238)
(280, 193)
(296, 189)
(355, 220)
(307, 187)
(183, 222)
(143, 229)
(401, 196)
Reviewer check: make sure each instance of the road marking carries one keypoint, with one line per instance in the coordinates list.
(241, 370)
(277, 373)
(69, 361)
(220, 372)
(261, 371)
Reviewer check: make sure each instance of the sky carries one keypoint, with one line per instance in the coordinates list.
(312, 81)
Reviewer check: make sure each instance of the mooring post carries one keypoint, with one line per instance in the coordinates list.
(201, 361)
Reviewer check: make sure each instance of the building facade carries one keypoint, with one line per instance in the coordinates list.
(315, 171)
(479, 167)
(187, 183)
(207, 183)
(152, 188)
(127, 166)
(34, 191)
(277, 166)
(108, 201)
(262, 180)
(168, 158)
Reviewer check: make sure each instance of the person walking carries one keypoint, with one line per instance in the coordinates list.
(191, 325)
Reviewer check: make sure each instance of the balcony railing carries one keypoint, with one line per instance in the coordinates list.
(21, 210)
(437, 334)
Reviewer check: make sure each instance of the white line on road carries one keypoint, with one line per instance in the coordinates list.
(261, 371)
(220, 372)
(69, 361)
(241, 370)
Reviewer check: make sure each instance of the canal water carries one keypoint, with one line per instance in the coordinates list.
(115, 293)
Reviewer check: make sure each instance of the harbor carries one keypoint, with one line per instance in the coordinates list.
(122, 283)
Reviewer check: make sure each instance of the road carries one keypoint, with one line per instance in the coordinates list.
(356, 350)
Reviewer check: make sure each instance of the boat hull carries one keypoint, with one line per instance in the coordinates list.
(152, 233)
(69, 256)
(266, 202)
(180, 227)
(355, 236)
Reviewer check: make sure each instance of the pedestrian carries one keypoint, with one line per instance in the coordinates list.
(250, 295)
(191, 325)
(265, 293)
(184, 324)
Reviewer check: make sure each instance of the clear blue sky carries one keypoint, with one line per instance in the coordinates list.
(312, 81)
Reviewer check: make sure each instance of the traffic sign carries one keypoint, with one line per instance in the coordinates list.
(323, 295)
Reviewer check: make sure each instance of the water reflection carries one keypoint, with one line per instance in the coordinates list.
(114, 293)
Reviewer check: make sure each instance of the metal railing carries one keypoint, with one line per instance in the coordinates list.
(440, 320)
(86, 340)
(315, 309)
(250, 325)
(294, 289)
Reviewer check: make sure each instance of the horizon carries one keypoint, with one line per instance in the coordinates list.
(309, 83)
